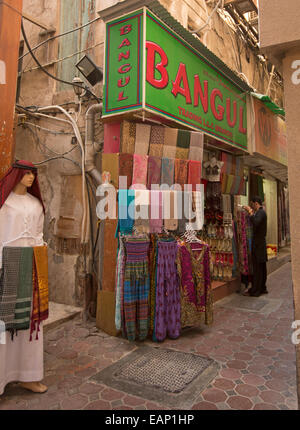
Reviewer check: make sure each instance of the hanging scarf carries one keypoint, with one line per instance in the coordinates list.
(110, 163)
(140, 166)
(194, 173)
(128, 137)
(170, 209)
(142, 209)
(9, 284)
(24, 290)
(126, 211)
(157, 137)
(125, 169)
(169, 148)
(154, 169)
(167, 171)
(40, 299)
(156, 208)
(142, 139)
(196, 146)
(181, 172)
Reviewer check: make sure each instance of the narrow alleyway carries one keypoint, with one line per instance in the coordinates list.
(254, 352)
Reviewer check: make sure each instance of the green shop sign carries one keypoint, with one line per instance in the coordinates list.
(148, 66)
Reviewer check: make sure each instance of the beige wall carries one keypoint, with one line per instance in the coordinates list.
(292, 97)
(279, 25)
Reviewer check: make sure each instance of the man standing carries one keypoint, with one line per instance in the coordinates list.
(258, 219)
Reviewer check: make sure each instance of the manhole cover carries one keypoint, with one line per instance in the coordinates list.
(170, 370)
(254, 304)
(173, 378)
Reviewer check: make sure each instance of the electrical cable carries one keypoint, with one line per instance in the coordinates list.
(209, 18)
(47, 129)
(59, 35)
(46, 71)
(79, 139)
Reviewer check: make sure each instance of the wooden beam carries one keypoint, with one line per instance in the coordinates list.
(35, 21)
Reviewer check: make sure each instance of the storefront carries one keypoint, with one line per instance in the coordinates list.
(268, 168)
(169, 119)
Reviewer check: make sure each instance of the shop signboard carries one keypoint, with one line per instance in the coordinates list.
(150, 67)
(270, 133)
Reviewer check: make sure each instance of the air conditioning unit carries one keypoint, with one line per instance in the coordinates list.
(243, 6)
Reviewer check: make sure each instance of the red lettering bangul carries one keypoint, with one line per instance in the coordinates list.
(185, 90)
(152, 49)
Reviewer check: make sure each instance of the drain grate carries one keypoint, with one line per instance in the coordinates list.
(253, 304)
(171, 377)
(170, 370)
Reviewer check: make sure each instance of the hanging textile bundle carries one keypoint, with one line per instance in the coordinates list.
(142, 139)
(167, 171)
(169, 148)
(140, 167)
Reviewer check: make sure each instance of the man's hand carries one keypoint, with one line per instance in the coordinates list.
(248, 209)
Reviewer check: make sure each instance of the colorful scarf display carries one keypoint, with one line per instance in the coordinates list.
(24, 284)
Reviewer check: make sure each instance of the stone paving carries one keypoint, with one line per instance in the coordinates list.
(254, 351)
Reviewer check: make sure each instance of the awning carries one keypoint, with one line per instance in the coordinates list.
(268, 102)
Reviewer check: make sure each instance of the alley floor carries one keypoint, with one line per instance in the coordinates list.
(253, 349)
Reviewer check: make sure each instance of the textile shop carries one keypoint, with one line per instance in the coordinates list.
(173, 251)
(172, 247)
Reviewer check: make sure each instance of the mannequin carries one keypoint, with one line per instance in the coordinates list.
(213, 169)
(21, 225)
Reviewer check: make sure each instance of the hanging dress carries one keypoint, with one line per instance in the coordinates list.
(21, 224)
(195, 285)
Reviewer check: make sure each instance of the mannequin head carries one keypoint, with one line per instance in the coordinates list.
(25, 182)
(20, 178)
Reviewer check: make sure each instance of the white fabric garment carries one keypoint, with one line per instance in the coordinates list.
(21, 224)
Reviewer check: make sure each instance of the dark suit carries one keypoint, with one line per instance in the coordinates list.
(259, 252)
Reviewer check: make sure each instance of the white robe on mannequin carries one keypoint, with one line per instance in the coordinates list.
(21, 224)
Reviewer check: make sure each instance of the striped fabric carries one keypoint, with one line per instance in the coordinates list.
(24, 294)
(136, 290)
(9, 284)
